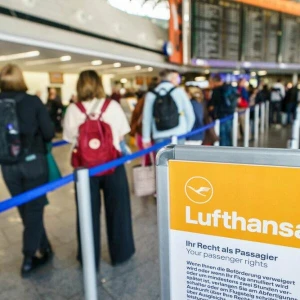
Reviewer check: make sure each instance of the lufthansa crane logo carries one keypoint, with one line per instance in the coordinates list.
(199, 190)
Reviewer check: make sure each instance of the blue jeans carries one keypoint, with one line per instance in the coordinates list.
(291, 110)
(226, 133)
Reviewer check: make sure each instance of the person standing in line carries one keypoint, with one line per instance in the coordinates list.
(55, 108)
(136, 124)
(243, 103)
(31, 169)
(277, 96)
(223, 103)
(91, 98)
(167, 111)
(291, 100)
(116, 95)
(197, 98)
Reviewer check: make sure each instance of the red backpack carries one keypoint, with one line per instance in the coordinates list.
(95, 142)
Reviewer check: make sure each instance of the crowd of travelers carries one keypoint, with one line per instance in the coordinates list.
(96, 126)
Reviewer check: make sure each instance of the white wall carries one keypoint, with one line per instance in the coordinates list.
(38, 81)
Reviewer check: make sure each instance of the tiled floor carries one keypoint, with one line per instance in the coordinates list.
(62, 279)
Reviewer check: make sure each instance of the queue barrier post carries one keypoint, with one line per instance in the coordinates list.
(247, 128)
(217, 131)
(298, 114)
(174, 140)
(235, 126)
(262, 118)
(256, 122)
(267, 114)
(86, 233)
(295, 134)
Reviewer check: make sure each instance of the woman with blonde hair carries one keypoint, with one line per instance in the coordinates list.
(91, 99)
(34, 129)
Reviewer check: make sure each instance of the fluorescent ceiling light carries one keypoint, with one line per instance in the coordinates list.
(150, 69)
(253, 74)
(200, 62)
(138, 67)
(236, 72)
(207, 71)
(247, 64)
(96, 62)
(200, 78)
(19, 55)
(65, 58)
(262, 73)
(48, 61)
(123, 80)
(117, 65)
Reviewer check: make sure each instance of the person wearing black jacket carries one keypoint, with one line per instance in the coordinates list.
(55, 109)
(31, 170)
(222, 104)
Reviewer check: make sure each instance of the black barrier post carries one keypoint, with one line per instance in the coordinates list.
(82, 180)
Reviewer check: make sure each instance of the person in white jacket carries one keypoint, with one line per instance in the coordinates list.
(277, 96)
(169, 80)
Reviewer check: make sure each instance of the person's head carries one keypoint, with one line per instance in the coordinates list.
(89, 86)
(52, 93)
(195, 93)
(242, 82)
(216, 80)
(170, 75)
(12, 80)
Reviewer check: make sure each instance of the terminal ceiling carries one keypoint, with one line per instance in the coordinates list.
(49, 60)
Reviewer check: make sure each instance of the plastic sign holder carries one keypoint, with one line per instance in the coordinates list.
(229, 224)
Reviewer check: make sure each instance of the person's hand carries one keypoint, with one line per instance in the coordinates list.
(147, 145)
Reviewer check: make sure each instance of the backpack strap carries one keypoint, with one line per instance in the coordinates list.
(81, 108)
(171, 90)
(157, 94)
(104, 107)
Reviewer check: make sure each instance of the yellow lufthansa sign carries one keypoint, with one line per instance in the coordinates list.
(245, 202)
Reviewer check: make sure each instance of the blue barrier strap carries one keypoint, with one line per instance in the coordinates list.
(35, 193)
(59, 143)
(124, 159)
(44, 189)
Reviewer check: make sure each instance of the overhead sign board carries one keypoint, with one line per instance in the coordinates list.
(233, 227)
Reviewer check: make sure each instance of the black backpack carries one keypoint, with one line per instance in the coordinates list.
(10, 140)
(165, 111)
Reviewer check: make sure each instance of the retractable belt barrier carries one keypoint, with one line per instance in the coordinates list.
(49, 187)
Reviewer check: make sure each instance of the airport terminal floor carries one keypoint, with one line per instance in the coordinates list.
(62, 278)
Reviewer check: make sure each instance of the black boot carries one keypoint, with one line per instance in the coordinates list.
(46, 254)
(30, 264)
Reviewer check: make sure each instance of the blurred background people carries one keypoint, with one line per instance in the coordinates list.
(136, 123)
(31, 169)
(55, 109)
(116, 95)
(291, 100)
(223, 103)
(277, 96)
(197, 99)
